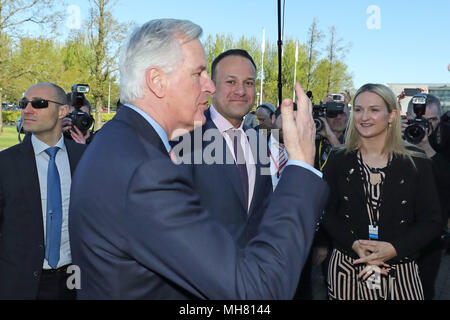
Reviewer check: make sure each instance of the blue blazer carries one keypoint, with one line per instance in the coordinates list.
(219, 185)
(138, 230)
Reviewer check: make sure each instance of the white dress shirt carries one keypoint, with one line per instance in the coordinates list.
(62, 163)
(224, 125)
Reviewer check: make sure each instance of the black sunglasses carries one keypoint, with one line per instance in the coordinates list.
(36, 103)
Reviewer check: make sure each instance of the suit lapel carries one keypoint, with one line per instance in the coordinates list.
(73, 155)
(259, 183)
(353, 177)
(230, 171)
(28, 175)
(392, 182)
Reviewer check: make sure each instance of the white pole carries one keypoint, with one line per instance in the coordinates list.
(263, 49)
(295, 69)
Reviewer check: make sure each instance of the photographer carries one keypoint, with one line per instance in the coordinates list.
(76, 124)
(332, 133)
(427, 123)
(264, 114)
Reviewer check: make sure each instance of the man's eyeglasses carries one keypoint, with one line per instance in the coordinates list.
(36, 103)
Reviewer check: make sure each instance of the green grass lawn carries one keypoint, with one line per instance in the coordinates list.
(8, 137)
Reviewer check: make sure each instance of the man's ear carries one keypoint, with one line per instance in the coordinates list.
(156, 82)
(63, 111)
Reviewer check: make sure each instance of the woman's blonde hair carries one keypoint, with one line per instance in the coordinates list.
(394, 143)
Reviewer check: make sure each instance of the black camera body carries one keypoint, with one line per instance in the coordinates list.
(82, 120)
(416, 130)
(329, 109)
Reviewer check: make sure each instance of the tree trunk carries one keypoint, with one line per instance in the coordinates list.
(98, 114)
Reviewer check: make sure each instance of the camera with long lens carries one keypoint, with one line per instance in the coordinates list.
(329, 110)
(82, 120)
(416, 129)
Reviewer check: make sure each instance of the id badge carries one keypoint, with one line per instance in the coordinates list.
(373, 232)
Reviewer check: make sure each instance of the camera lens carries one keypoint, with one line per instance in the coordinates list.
(414, 133)
(319, 124)
(81, 120)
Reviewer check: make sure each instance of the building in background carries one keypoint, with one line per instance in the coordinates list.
(440, 90)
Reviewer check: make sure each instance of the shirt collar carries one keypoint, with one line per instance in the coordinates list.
(40, 146)
(159, 130)
(274, 142)
(221, 123)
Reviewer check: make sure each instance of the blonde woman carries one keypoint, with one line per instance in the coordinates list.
(383, 206)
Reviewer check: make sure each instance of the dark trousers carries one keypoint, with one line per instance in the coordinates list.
(429, 263)
(53, 285)
(305, 286)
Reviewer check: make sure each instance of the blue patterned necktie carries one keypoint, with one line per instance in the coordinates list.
(54, 210)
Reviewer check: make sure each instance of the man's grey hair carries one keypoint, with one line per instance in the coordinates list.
(156, 43)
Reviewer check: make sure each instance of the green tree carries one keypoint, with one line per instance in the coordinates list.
(335, 52)
(104, 36)
(314, 38)
(14, 14)
(216, 45)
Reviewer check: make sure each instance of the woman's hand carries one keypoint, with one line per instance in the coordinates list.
(369, 270)
(381, 252)
(363, 250)
(374, 254)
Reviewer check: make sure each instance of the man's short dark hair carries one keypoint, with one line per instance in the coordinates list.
(231, 52)
(278, 111)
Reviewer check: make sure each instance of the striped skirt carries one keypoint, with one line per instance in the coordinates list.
(402, 283)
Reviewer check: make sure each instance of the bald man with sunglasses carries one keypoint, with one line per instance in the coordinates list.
(35, 179)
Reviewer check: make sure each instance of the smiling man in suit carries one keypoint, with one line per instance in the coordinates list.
(146, 235)
(35, 178)
(241, 181)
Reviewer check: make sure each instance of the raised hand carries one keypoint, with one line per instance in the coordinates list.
(299, 131)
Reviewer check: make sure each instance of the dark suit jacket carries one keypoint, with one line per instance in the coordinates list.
(138, 230)
(409, 212)
(21, 226)
(220, 180)
(441, 170)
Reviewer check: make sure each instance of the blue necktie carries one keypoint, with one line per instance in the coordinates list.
(54, 210)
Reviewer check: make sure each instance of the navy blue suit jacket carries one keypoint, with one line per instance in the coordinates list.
(138, 230)
(219, 185)
(22, 240)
